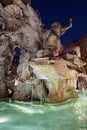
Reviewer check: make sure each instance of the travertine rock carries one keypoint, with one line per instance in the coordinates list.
(30, 90)
(3, 89)
(63, 95)
(67, 70)
(58, 88)
(19, 28)
(2, 73)
(6, 2)
(11, 12)
(71, 52)
(82, 82)
(82, 44)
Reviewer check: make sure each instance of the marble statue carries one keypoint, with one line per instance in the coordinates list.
(51, 40)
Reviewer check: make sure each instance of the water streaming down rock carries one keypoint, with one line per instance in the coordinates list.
(82, 82)
(30, 90)
(22, 91)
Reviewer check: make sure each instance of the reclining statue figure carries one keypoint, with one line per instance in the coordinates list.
(51, 39)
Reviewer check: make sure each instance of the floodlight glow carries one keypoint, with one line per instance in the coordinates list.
(4, 119)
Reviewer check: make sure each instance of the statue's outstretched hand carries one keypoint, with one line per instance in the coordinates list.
(70, 20)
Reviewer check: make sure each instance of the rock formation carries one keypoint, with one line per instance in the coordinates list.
(46, 71)
(77, 50)
(6, 2)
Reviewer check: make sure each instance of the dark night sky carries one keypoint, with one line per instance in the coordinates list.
(61, 11)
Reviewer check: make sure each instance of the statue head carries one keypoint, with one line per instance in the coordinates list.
(56, 25)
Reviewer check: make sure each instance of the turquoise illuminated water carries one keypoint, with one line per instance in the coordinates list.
(70, 115)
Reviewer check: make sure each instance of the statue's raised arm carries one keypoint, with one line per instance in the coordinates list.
(64, 29)
(70, 25)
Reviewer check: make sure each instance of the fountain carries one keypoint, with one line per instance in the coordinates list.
(35, 77)
(38, 88)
